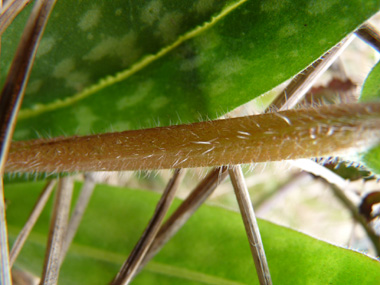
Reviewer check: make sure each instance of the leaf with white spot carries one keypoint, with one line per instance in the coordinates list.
(133, 64)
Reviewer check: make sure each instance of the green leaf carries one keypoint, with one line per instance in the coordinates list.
(124, 65)
(210, 249)
(371, 159)
(371, 88)
(371, 92)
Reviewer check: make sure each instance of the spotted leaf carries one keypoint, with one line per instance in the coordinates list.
(118, 65)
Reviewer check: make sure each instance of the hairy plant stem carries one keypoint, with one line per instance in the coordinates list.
(313, 132)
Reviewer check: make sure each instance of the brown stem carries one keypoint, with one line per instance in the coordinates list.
(77, 213)
(250, 224)
(10, 102)
(57, 232)
(131, 265)
(370, 35)
(10, 11)
(292, 134)
(36, 212)
(187, 208)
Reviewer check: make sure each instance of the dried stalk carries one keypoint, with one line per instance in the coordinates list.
(78, 212)
(5, 275)
(370, 35)
(10, 11)
(187, 208)
(287, 99)
(10, 102)
(57, 232)
(321, 171)
(292, 134)
(5, 271)
(36, 212)
(129, 268)
(250, 223)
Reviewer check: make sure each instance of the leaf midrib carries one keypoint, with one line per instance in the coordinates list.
(120, 76)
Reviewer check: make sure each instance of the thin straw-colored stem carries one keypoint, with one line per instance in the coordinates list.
(288, 99)
(5, 275)
(184, 211)
(370, 35)
(250, 223)
(10, 102)
(129, 268)
(10, 11)
(57, 232)
(36, 212)
(17, 78)
(5, 270)
(78, 212)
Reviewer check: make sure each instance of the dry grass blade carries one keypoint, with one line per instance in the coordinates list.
(23, 235)
(77, 213)
(303, 81)
(129, 268)
(10, 102)
(5, 277)
(10, 11)
(187, 208)
(5, 273)
(250, 224)
(57, 230)
(21, 277)
(370, 35)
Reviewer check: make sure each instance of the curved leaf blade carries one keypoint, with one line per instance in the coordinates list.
(371, 92)
(89, 40)
(212, 247)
